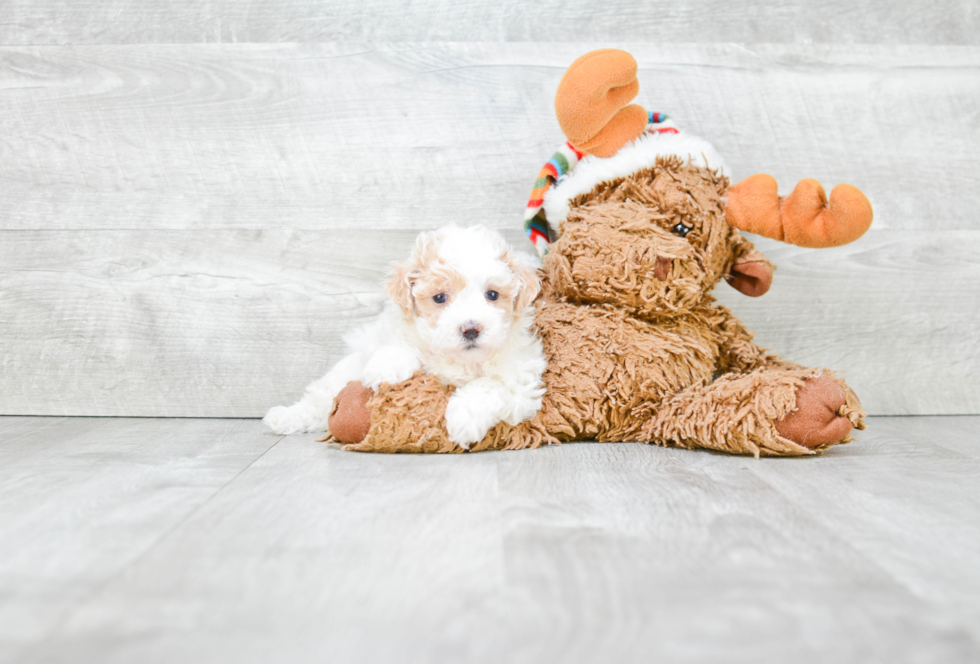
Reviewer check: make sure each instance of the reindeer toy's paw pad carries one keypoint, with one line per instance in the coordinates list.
(823, 414)
(350, 418)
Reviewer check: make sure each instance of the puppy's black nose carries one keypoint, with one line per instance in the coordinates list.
(470, 331)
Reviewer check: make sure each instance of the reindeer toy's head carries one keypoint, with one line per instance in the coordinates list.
(637, 225)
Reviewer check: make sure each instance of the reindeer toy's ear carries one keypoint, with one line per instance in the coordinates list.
(751, 273)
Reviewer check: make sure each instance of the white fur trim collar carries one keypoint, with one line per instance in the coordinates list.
(641, 153)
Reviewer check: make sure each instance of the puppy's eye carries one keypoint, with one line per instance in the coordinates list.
(492, 295)
(680, 229)
(439, 299)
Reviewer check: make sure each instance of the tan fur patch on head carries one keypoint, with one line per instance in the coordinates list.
(435, 278)
(421, 272)
(399, 286)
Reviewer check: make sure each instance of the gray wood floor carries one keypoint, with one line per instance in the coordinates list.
(176, 540)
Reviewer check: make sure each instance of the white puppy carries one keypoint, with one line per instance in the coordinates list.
(460, 310)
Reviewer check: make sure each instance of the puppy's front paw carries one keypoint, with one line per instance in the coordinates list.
(470, 414)
(462, 428)
(298, 418)
(389, 365)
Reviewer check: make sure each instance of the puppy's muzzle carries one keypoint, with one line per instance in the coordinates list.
(470, 331)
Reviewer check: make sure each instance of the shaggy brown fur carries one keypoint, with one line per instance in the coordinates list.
(637, 348)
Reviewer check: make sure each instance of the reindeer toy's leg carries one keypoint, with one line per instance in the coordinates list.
(776, 412)
(760, 404)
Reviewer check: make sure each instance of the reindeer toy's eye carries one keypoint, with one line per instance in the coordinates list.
(680, 229)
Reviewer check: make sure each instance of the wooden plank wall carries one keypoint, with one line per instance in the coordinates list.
(197, 199)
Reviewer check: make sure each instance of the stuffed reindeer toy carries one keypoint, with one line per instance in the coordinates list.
(637, 223)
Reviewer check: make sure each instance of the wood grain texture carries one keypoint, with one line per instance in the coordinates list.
(863, 505)
(830, 21)
(580, 553)
(164, 323)
(82, 500)
(414, 135)
(229, 323)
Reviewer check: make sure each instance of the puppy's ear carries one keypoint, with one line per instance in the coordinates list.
(399, 285)
(528, 282)
(404, 275)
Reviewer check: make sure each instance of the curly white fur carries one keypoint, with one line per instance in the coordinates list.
(477, 337)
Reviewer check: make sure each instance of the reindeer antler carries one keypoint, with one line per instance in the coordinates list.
(805, 217)
(592, 102)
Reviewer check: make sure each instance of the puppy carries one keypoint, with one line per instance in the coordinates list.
(460, 309)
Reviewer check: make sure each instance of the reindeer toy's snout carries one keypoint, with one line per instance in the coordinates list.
(637, 223)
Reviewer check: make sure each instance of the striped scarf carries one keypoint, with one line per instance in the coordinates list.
(560, 165)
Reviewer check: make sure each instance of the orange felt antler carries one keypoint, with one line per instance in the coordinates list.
(592, 102)
(805, 217)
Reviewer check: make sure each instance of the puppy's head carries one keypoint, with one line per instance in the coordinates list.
(463, 289)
